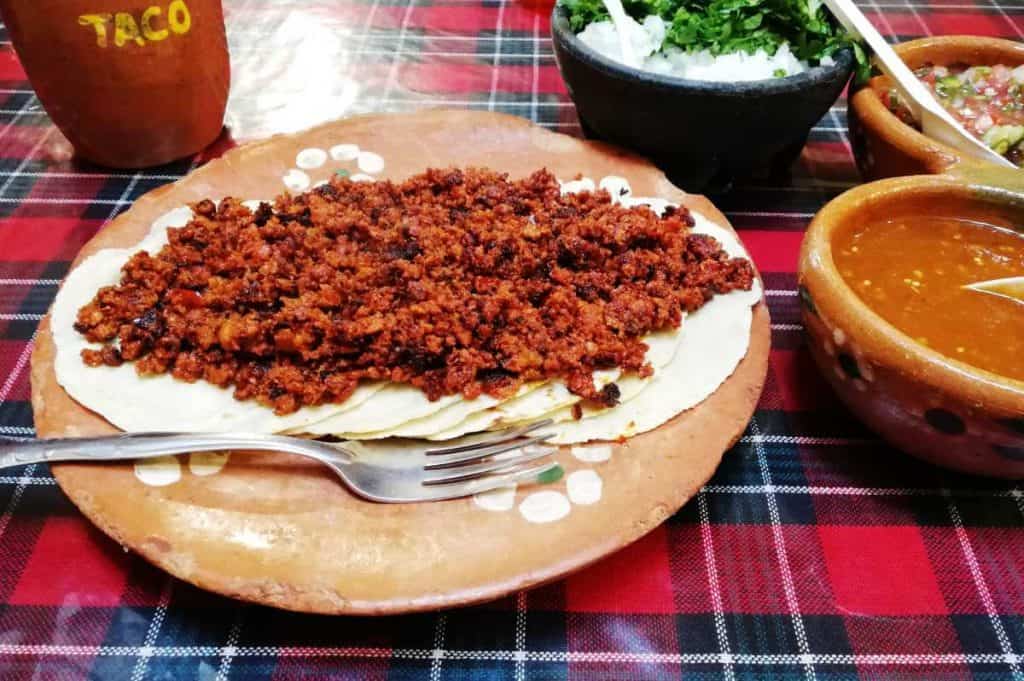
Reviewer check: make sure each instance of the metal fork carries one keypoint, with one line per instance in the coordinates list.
(387, 472)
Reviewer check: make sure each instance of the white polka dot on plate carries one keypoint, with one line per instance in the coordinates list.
(370, 162)
(500, 499)
(584, 487)
(592, 453)
(296, 180)
(158, 472)
(207, 463)
(545, 507)
(361, 177)
(311, 158)
(345, 152)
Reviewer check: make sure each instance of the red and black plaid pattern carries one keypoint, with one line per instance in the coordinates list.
(816, 552)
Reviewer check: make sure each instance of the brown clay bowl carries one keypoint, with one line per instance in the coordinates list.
(885, 146)
(925, 403)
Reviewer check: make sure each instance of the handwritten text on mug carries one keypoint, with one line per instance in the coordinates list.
(153, 25)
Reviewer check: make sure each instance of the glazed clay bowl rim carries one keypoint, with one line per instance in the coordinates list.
(879, 339)
(815, 76)
(939, 50)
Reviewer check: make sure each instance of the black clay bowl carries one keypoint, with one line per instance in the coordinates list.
(700, 132)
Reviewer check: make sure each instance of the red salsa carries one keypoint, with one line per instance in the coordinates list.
(987, 100)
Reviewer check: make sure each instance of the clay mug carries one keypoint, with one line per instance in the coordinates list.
(130, 83)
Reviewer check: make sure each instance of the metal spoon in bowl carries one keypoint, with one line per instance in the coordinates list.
(935, 120)
(1009, 287)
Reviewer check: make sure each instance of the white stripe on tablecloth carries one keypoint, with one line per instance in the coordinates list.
(842, 132)
(840, 490)
(92, 176)
(20, 317)
(492, 95)
(1018, 497)
(779, 541)
(23, 482)
(29, 282)
(981, 585)
(26, 109)
(374, 6)
(806, 440)
(607, 656)
(1002, 12)
(25, 431)
(227, 653)
(35, 480)
(520, 636)
(19, 366)
(535, 73)
(717, 608)
(59, 201)
(392, 80)
(145, 651)
(438, 653)
(913, 10)
(28, 472)
(26, 160)
(889, 34)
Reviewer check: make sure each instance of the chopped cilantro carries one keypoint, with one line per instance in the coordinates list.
(583, 12)
(726, 26)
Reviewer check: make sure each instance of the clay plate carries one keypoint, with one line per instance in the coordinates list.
(279, 530)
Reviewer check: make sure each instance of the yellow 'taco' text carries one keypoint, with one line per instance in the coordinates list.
(153, 25)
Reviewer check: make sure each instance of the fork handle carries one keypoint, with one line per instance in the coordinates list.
(138, 446)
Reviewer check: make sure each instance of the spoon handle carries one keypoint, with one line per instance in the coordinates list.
(854, 21)
(935, 120)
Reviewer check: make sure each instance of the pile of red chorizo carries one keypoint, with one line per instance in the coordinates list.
(453, 281)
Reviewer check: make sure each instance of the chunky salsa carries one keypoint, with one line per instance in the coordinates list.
(913, 270)
(453, 281)
(987, 100)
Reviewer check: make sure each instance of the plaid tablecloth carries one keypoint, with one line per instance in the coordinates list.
(816, 552)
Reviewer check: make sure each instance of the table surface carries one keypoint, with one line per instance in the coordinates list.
(815, 552)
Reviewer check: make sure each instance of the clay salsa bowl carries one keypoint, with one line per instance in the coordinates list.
(885, 146)
(931, 406)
